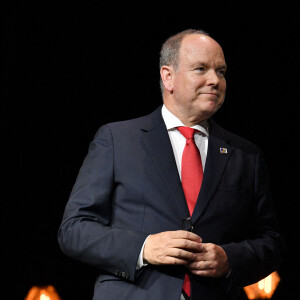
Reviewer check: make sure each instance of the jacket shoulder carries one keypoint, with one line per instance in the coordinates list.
(143, 122)
(233, 139)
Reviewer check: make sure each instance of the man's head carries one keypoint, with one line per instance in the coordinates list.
(192, 76)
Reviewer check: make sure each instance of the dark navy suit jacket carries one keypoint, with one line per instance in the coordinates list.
(128, 187)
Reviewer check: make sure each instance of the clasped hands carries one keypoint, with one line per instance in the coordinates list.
(186, 248)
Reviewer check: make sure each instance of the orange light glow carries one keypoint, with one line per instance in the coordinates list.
(264, 289)
(44, 297)
(42, 293)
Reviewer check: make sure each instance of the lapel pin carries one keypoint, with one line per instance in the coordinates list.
(223, 150)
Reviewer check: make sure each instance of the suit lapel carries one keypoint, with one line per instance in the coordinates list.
(157, 142)
(158, 145)
(216, 162)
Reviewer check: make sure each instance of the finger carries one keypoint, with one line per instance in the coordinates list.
(203, 268)
(211, 271)
(212, 252)
(173, 256)
(178, 239)
(201, 265)
(171, 260)
(166, 247)
(181, 254)
(183, 234)
(186, 244)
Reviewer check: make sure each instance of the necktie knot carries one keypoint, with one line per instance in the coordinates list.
(187, 132)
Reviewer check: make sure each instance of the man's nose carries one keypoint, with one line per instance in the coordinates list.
(212, 78)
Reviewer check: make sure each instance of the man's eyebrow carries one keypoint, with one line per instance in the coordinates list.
(222, 66)
(205, 64)
(199, 63)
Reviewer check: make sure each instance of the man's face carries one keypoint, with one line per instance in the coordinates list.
(199, 83)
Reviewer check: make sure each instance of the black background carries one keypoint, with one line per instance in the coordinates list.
(71, 66)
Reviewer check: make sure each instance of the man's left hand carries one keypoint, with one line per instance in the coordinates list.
(211, 261)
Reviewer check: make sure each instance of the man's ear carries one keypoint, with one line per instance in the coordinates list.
(167, 76)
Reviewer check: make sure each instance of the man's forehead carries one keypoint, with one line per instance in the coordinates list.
(199, 42)
(198, 48)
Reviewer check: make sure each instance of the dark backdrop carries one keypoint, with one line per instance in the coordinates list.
(70, 67)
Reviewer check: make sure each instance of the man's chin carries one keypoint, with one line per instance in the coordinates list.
(210, 111)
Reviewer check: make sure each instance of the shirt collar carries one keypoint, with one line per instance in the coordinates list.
(172, 122)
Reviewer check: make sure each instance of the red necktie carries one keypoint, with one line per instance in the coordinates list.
(191, 179)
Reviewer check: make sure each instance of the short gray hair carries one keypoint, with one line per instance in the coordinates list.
(169, 53)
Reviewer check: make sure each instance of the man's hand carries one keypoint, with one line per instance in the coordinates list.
(172, 248)
(211, 261)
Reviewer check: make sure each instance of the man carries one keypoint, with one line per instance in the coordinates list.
(133, 212)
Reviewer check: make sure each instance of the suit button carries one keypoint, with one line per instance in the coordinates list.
(125, 275)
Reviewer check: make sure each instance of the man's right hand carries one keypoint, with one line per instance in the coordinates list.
(172, 248)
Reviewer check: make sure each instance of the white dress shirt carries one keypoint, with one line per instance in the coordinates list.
(178, 140)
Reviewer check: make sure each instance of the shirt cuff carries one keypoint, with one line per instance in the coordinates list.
(140, 261)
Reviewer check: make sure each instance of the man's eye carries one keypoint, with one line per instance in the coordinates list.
(222, 72)
(201, 69)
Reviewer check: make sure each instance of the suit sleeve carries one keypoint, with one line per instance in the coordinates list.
(262, 253)
(86, 233)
